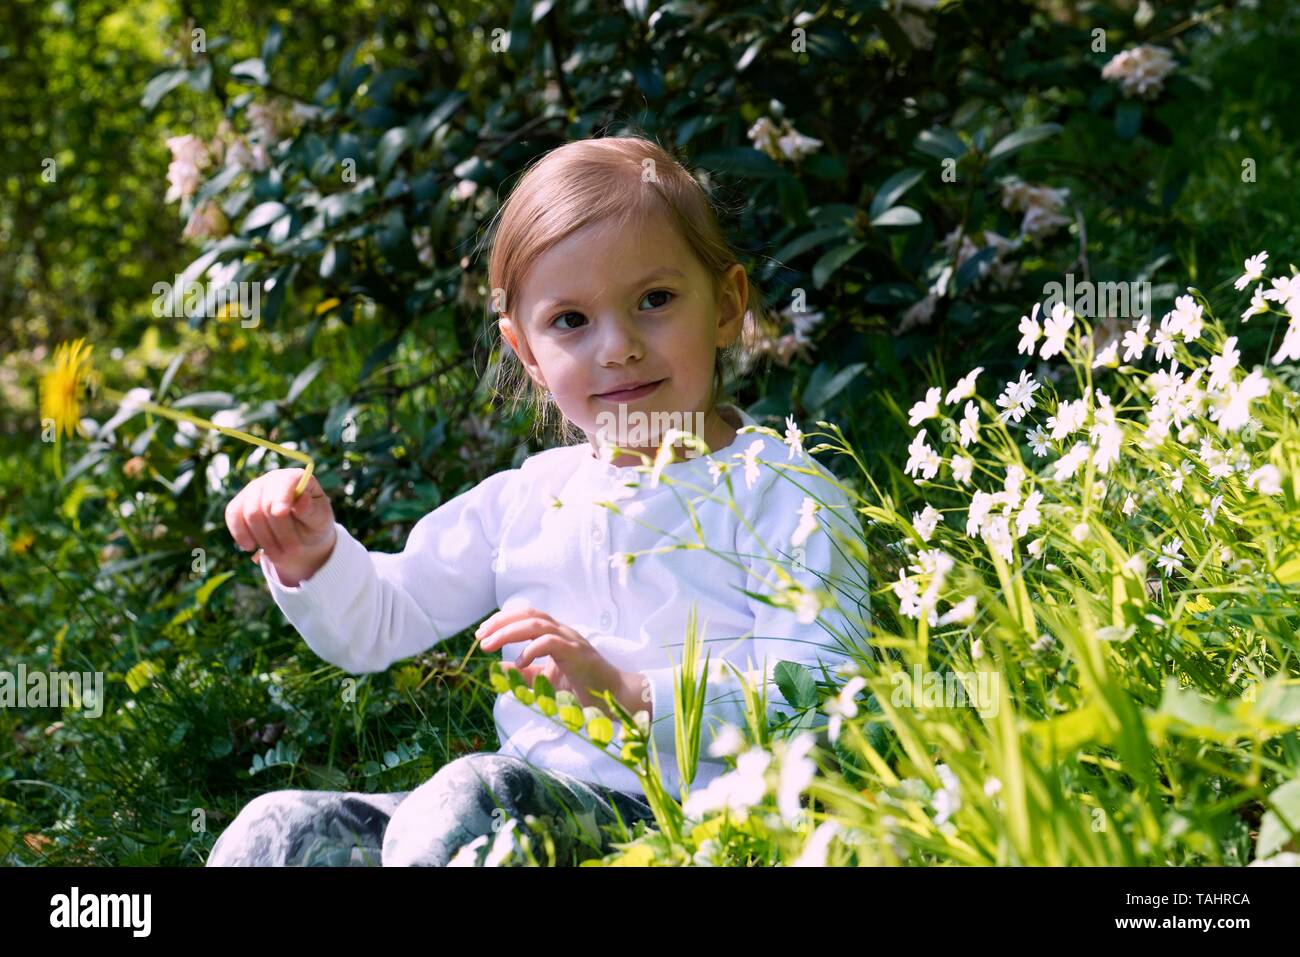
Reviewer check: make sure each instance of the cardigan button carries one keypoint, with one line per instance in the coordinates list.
(597, 534)
(606, 619)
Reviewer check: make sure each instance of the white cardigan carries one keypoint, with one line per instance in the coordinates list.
(538, 534)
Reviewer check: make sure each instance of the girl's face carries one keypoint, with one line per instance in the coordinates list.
(607, 309)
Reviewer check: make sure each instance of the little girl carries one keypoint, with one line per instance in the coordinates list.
(617, 294)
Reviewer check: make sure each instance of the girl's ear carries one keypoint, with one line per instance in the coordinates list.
(507, 327)
(731, 307)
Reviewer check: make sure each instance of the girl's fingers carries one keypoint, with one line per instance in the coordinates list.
(239, 530)
(258, 521)
(547, 645)
(521, 630)
(278, 500)
(503, 617)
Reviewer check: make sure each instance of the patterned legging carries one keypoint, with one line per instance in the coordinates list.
(457, 814)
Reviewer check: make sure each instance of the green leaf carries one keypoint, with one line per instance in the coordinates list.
(833, 260)
(264, 214)
(271, 43)
(391, 146)
(1282, 818)
(941, 143)
(822, 386)
(897, 216)
(161, 85)
(1022, 138)
(252, 70)
(892, 189)
(334, 261)
(304, 379)
(441, 113)
(796, 684)
(1128, 119)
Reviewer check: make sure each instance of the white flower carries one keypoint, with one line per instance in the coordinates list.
(1207, 515)
(795, 145)
(1079, 532)
(1257, 304)
(1130, 506)
(1170, 560)
(962, 465)
(1029, 515)
(1290, 342)
(814, 850)
(921, 457)
(793, 437)
(1254, 267)
(621, 561)
(807, 522)
(1029, 331)
(1038, 441)
(189, 156)
(1036, 547)
(1069, 463)
(751, 463)
(843, 705)
(963, 611)
(997, 535)
(1283, 289)
(1018, 397)
(947, 800)
(1140, 71)
(727, 741)
(1186, 317)
(970, 425)
(1135, 340)
(926, 521)
(1221, 366)
(1108, 356)
(737, 790)
(1069, 418)
(1164, 339)
(1268, 478)
(1055, 329)
(992, 786)
(965, 387)
(717, 469)
(926, 409)
(218, 469)
(980, 505)
(797, 772)
(1235, 411)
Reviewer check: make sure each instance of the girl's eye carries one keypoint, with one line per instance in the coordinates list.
(563, 315)
(658, 292)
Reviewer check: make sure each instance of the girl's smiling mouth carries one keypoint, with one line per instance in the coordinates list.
(627, 395)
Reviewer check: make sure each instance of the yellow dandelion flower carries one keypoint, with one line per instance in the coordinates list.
(61, 386)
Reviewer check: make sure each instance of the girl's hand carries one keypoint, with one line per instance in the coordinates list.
(575, 665)
(297, 535)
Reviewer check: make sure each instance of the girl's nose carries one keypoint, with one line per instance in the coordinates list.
(621, 342)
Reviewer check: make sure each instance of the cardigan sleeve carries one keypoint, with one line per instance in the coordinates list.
(778, 634)
(363, 610)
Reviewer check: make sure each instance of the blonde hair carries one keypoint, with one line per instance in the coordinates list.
(589, 181)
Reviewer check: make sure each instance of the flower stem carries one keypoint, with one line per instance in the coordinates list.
(115, 396)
